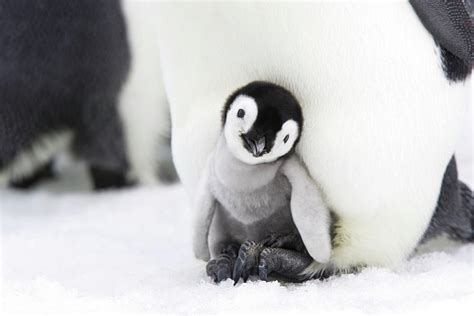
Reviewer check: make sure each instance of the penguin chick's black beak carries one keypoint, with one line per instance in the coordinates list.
(255, 147)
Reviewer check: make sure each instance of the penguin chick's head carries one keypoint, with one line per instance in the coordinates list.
(262, 122)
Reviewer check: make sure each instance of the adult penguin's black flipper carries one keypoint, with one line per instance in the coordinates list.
(450, 24)
(454, 214)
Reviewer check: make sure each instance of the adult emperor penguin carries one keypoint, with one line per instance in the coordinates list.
(383, 95)
(255, 191)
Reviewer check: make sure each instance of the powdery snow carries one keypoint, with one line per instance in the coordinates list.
(129, 252)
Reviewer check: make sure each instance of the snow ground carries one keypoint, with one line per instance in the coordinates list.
(129, 252)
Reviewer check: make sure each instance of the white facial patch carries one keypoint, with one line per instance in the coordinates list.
(235, 126)
(240, 117)
(284, 141)
(246, 104)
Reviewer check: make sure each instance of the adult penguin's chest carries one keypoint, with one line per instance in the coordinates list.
(381, 137)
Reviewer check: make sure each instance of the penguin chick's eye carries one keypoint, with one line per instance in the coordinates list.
(286, 138)
(240, 113)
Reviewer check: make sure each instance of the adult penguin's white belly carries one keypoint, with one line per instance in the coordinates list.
(381, 119)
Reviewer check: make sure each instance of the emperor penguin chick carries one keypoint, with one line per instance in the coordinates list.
(258, 210)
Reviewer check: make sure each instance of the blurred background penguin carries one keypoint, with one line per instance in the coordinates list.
(72, 80)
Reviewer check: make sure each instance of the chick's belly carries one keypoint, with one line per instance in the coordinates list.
(226, 229)
(280, 223)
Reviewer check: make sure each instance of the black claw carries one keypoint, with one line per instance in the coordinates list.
(247, 260)
(222, 274)
(245, 275)
(264, 267)
(263, 272)
(238, 267)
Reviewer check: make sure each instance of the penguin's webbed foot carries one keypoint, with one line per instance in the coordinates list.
(285, 263)
(220, 268)
(281, 255)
